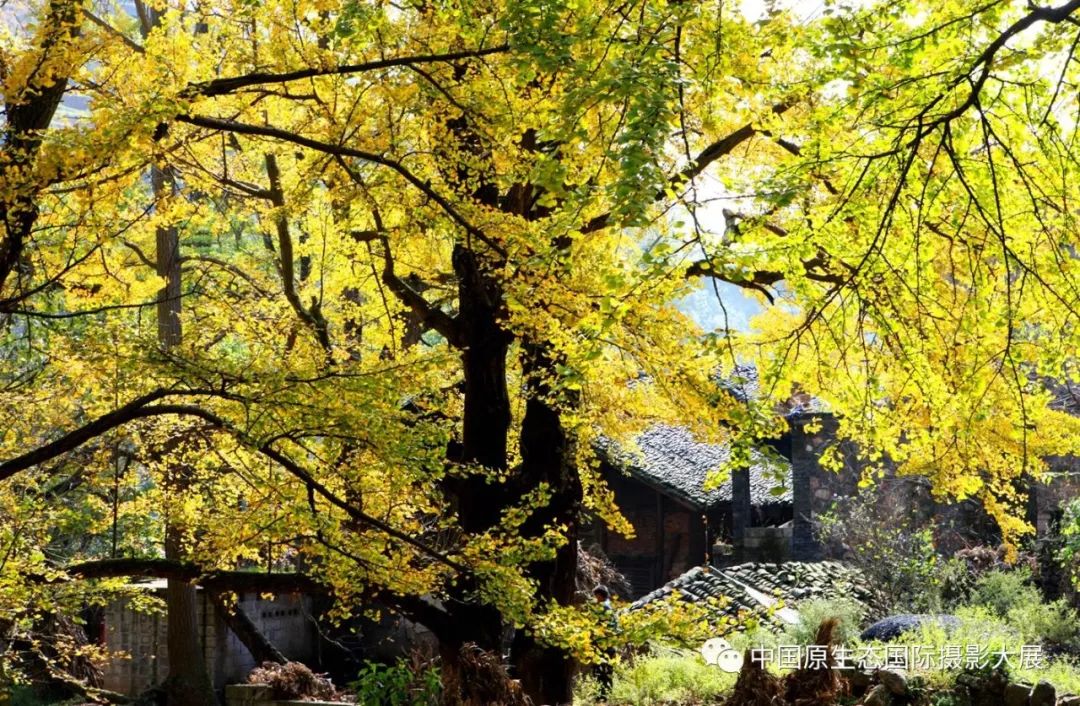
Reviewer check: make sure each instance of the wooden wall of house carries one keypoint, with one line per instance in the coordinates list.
(669, 538)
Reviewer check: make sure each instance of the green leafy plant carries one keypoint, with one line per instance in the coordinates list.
(893, 550)
(1069, 536)
(811, 614)
(397, 684)
(981, 625)
(946, 698)
(1052, 623)
(670, 677)
(957, 580)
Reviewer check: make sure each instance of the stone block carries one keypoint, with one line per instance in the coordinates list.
(895, 682)
(248, 695)
(1017, 694)
(1044, 694)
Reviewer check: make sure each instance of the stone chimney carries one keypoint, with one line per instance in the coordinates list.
(806, 475)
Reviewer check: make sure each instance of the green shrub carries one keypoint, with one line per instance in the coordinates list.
(1068, 552)
(978, 625)
(811, 614)
(1010, 595)
(1050, 623)
(946, 698)
(397, 684)
(981, 625)
(1002, 591)
(757, 637)
(890, 545)
(957, 581)
(663, 677)
(1063, 673)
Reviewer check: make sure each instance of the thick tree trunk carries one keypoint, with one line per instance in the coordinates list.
(486, 420)
(29, 113)
(187, 683)
(547, 454)
(546, 449)
(477, 501)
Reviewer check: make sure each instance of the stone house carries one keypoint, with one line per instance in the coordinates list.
(764, 513)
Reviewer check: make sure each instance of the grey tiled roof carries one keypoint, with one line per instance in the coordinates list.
(1066, 395)
(744, 384)
(790, 582)
(796, 581)
(703, 583)
(673, 461)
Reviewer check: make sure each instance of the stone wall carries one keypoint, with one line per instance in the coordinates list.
(817, 490)
(139, 639)
(814, 489)
(767, 544)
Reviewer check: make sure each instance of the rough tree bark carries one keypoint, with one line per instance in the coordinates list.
(187, 683)
(547, 673)
(485, 428)
(29, 113)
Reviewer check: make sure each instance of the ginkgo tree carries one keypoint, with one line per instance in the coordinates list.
(299, 238)
(428, 253)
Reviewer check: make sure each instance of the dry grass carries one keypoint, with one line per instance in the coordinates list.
(294, 680)
(820, 686)
(481, 680)
(594, 568)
